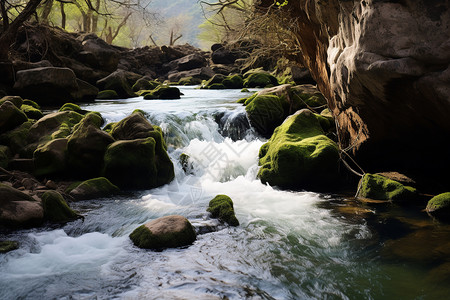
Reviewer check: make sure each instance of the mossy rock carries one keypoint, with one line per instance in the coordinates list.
(233, 82)
(31, 103)
(166, 232)
(439, 206)
(50, 158)
(7, 246)
(378, 187)
(135, 126)
(107, 95)
(186, 164)
(189, 81)
(163, 92)
(261, 80)
(217, 78)
(216, 86)
(94, 188)
(120, 81)
(10, 116)
(299, 155)
(222, 207)
(145, 84)
(5, 154)
(56, 209)
(245, 90)
(265, 112)
(16, 100)
(133, 164)
(31, 112)
(17, 139)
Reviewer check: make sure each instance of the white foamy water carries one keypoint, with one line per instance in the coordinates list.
(286, 247)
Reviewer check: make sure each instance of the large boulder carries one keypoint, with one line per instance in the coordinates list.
(299, 155)
(224, 56)
(166, 232)
(266, 112)
(17, 139)
(188, 62)
(439, 206)
(87, 145)
(48, 85)
(385, 86)
(378, 187)
(135, 126)
(51, 158)
(86, 92)
(18, 209)
(139, 163)
(162, 92)
(99, 54)
(94, 188)
(10, 116)
(56, 209)
(221, 207)
(16, 100)
(259, 79)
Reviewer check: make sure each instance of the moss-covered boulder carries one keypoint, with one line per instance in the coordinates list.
(18, 209)
(378, 187)
(6, 246)
(163, 92)
(107, 94)
(31, 103)
(51, 158)
(118, 81)
(299, 155)
(189, 81)
(5, 154)
(166, 232)
(16, 100)
(233, 82)
(31, 112)
(222, 207)
(94, 188)
(307, 96)
(266, 112)
(17, 139)
(145, 83)
(135, 164)
(87, 146)
(260, 79)
(10, 116)
(56, 208)
(135, 126)
(71, 107)
(439, 206)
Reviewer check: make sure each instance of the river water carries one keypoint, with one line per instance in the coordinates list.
(290, 245)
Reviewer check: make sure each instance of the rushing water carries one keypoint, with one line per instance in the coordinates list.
(290, 245)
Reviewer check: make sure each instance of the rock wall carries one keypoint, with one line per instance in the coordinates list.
(384, 68)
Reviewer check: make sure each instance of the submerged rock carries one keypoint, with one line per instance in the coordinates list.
(299, 155)
(56, 208)
(439, 206)
(166, 232)
(222, 207)
(6, 246)
(94, 188)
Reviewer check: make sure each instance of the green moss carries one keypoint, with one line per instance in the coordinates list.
(16, 100)
(56, 208)
(163, 92)
(72, 186)
(222, 207)
(378, 187)
(10, 117)
(107, 94)
(31, 103)
(17, 138)
(260, 80)
(94, 188)
(142, 237)
(266, 112)
(145, 84)
(245, 90)
(50, 158)
(31, 112)
(233, 82)
(299, 155)
(109, 127)
(189, 81)
(439, 206)
(216, 86)
(6, 246)
(71, 107)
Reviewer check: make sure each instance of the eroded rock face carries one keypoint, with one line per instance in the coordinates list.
(384, 68)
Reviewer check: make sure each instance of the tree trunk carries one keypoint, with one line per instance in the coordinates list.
(95, 17)
(8, 35)
(4, 15)
(46, 11)
(63, 16)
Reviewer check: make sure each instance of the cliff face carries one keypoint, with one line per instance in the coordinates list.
(384, 68)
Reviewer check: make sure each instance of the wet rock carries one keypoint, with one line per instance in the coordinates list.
(186, 164)
(94, 188)
(7, 246)
(163, 92)
(166, 232)
(378, 187)
(56, 208)
(439, 206)
(299, 155)
(135, 126)
(10, 116)
(222, 207)
(18, 209)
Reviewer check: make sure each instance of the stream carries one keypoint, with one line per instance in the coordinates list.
(290, 245)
